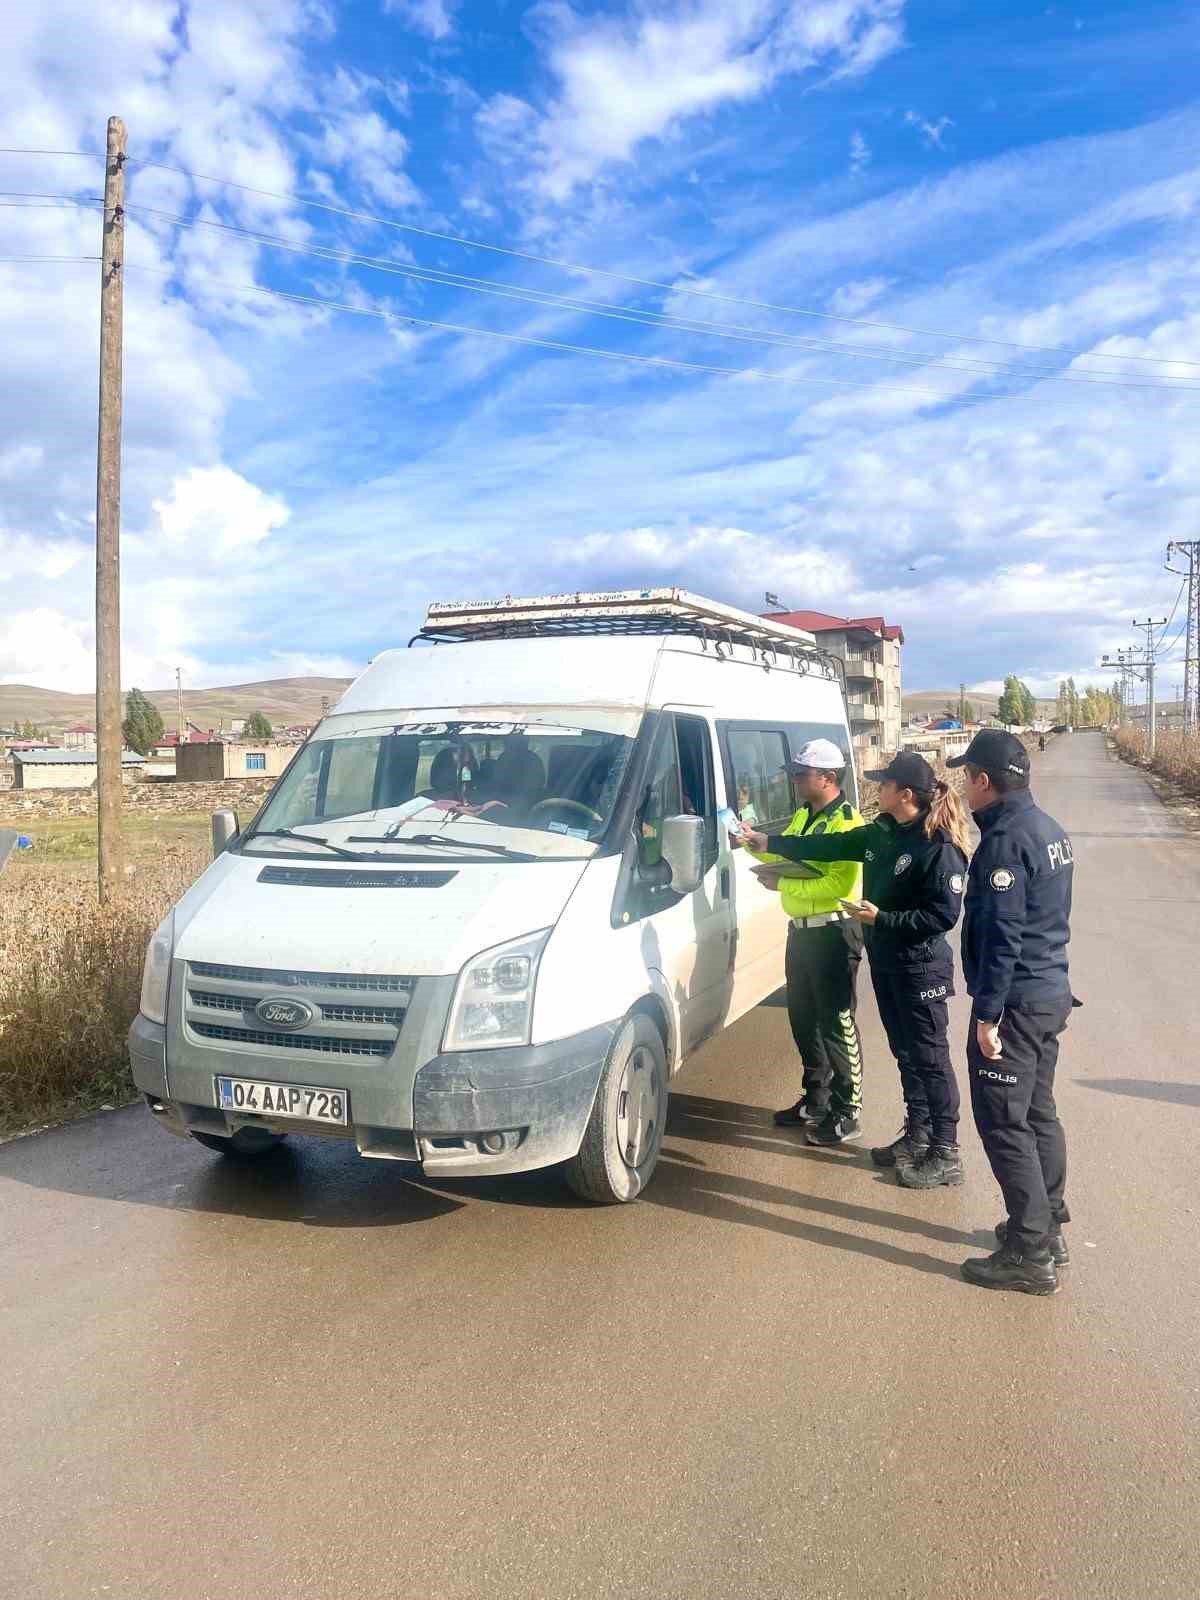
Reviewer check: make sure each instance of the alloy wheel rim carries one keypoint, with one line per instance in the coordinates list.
(639, 1109)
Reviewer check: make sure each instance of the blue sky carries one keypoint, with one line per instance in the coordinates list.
(798, 186)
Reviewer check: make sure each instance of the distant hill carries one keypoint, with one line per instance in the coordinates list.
(929, 702)
(284, 701)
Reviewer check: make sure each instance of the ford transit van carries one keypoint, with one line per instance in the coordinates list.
(492, 904)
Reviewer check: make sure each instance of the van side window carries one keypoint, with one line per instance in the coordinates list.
(696, 779)
(661, 798)
(763, 795)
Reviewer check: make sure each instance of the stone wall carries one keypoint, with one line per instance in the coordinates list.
(243, 795)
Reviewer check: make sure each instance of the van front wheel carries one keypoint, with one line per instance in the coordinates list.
(625, 1131)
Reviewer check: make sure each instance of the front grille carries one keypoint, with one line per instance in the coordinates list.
(388, 1015)
(353, 1014)
(282, 979)
(385, 1014)
(323, 1044)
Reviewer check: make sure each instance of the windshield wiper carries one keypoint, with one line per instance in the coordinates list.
(306, 838)
(447, 840)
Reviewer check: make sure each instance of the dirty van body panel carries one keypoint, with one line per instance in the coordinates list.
(357, 962)
(368, 1037)
(536, 1100)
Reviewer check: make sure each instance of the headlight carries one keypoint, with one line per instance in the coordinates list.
(157, 970)
(493, 1003)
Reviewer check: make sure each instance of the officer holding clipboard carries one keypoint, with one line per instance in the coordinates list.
(824, 949)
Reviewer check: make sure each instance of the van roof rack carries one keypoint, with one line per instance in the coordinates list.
(624, 611)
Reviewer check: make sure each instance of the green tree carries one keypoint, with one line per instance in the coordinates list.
(1010, 707)
(257, 726)
(143, 726)
(1062, 706)
(1028, 702)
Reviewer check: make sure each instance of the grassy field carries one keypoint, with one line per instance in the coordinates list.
(72, 840)
(1176, 756)
(70, 972)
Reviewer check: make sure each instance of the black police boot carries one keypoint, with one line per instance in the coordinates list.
(905, 1151)
(941, 1165)
(798, 1116)
(1008, 1268)
(1055, 1241)
(839, 1127)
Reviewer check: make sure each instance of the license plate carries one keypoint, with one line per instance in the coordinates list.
(297, 1100)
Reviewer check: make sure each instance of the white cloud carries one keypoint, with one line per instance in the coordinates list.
(860, 152)
(432, 17)
(47, 648)
(854, 297)
(214, 510)
(358, 137)
(933, 133)
(623, 80)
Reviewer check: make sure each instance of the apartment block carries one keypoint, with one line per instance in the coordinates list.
(869, 649)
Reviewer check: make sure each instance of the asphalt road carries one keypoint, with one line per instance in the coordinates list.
(765, 1379)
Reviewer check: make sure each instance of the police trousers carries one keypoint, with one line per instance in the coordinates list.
(1013, 1102)
(822, 993)
(915, 1015)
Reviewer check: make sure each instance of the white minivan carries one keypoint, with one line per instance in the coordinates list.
(492, 906)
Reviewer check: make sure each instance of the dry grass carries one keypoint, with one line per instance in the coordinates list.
(1176, 755)
(70, 974)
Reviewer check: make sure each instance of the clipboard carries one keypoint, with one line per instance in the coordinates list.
(774, 870)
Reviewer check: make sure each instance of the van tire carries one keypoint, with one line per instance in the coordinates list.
(630, 1105)
(238, 1146)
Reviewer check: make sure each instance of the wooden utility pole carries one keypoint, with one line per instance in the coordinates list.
(108, 520)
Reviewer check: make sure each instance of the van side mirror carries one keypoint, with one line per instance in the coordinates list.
(683, 851)
(225, 828)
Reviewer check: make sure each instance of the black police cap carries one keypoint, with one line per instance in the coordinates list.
(909, 770)
(993, 751)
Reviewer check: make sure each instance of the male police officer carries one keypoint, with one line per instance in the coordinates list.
(824, 949)
(1014, 951)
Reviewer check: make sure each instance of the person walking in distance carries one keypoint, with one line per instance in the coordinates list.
(1016, 926)
(915, 865)
(824, 948)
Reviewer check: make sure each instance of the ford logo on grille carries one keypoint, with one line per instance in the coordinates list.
(284, 1013)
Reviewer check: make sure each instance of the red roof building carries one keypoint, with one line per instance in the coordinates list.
(869, 650)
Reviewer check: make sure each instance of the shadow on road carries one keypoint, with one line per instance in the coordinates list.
(680, 1185)
(1179, 1094)
(313, 1181)
(741, 1127)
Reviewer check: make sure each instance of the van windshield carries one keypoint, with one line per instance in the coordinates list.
(393, 782)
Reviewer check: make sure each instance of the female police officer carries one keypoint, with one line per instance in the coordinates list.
(915, 861)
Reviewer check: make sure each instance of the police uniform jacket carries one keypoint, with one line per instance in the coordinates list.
(916, 882)
(1018, 908)
(815, 897)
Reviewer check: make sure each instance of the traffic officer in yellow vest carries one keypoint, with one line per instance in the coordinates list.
(824, 949)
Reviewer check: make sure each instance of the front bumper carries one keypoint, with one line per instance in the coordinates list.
(538, 1098)
(472, 1112)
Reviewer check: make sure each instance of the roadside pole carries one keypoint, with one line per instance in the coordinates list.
(108, 521)
(1148, 663)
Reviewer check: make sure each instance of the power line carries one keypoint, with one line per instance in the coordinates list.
(628, 356)
(530, 295)
(1174, 609)
(604, 272)
(651, 319)
(10, 259)
(32, 194)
